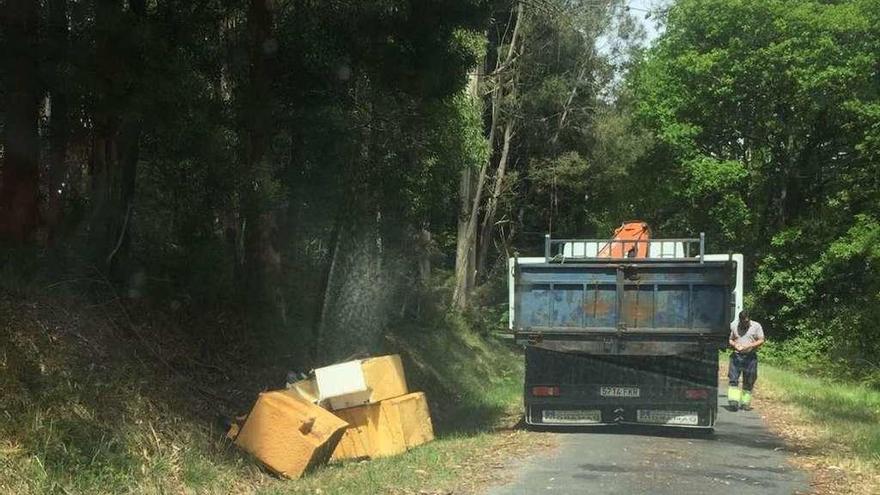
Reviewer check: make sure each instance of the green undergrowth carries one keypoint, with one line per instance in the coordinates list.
(847, 416)
(95, 399)
(824, 357)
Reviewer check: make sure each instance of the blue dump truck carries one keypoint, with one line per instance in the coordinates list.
(623, 330)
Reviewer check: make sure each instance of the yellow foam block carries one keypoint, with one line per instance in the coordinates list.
(363, 438)
(384, 429)
(412, 414)
(289, 435)
(384, 378)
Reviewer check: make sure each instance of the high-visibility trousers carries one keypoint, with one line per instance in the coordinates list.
(747, 366)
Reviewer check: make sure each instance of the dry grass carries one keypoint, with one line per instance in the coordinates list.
(833, 429)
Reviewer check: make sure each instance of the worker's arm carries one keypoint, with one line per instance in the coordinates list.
(732, 343)
(754, 345)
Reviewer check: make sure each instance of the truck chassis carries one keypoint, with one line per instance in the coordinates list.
(630, 340)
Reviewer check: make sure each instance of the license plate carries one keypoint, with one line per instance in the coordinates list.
(619, 391)
(688, 418)
(571, 416)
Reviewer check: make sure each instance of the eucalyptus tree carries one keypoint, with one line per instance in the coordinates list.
(540, 86)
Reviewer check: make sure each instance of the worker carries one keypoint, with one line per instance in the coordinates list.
(746, 336)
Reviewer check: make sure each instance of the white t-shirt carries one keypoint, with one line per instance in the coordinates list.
(751, 335)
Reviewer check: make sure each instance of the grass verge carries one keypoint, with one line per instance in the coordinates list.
(834, 428)
(86, 407)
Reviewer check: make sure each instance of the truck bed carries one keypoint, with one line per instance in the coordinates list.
(623, 307)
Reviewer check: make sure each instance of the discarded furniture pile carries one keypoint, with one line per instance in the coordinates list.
(354, 410)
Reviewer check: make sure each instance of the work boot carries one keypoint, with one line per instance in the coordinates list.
(733, 397)
(747, 400)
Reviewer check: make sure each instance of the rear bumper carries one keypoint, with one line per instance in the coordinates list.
(612, 414)
(572, 383)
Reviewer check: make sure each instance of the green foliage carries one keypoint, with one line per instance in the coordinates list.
(267, 137)
(567, 171)
(764, 115)
(573, 144)
(454, 141)
(806, 353)
(713, 187)
(831, 302)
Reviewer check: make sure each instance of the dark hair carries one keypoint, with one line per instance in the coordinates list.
(741, 324)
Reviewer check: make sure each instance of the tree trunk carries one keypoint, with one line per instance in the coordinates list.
(425, 251)
(103, 153)
(128, 145)
(323, 305)
(234, 223)
(263, 263)
(487, 229)
(59, 129)
(463, 250)
(465, 261)
(567, 107)
(117, 130)
(19, 182)
(466, 256)
(259, 25)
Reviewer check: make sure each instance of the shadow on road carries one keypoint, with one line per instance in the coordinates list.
(740, 456)
(627, 429)
(743, 435)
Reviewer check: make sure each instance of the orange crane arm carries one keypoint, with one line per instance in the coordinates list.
(633, 230)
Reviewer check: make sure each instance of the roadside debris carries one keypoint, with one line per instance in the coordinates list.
(365, 381)
(354, 410)
(386, 428)
(289, 435)
(304, 389)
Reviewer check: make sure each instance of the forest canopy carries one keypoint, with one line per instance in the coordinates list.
(325, 166)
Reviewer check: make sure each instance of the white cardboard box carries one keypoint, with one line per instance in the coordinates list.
(342, 383)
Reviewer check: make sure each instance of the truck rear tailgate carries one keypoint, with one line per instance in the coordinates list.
(632, 307)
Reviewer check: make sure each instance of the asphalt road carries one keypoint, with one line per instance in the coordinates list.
(741, 458)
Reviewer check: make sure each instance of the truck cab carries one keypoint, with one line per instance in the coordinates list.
(623, 330)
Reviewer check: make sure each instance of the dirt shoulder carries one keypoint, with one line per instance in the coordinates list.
(824, 441)
(491, 466)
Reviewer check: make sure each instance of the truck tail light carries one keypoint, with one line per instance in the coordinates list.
(696, 393)
(545, 391)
